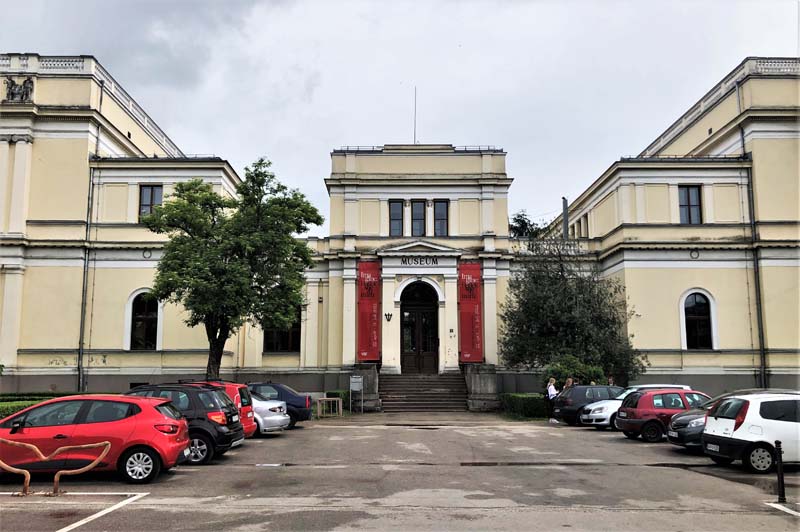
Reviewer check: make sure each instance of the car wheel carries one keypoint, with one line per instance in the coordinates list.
(721, 460)
(201, 449)
(140, 465)
(631, 435)
(760, 458)
(258, 432)
(652, 432)
(612, 423)
(570, 422)
(292, 421)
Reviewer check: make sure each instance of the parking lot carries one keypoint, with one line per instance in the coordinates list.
(423, 472)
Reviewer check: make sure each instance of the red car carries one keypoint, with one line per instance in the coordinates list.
(648, 412)
(240, 395)
(147, 435)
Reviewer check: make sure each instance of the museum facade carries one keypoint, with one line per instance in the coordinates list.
(701, 228)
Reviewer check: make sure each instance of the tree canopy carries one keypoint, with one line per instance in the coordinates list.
(232, 260)
(558, 306)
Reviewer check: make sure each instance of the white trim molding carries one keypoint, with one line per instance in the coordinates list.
(425, 279)
(126, 339)
(682, 312)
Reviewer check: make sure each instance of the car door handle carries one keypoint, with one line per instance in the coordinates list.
(60, 437)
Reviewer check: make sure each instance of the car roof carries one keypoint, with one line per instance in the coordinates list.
(766, 396)
(654, 391)
(660, 386)
(106, 397)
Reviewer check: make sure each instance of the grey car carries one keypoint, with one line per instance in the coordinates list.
(270, 415)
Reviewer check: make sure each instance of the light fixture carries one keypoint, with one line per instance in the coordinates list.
(388, 316)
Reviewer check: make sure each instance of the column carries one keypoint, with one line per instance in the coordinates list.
(429, 218)
(390, 332)
(4, 155)
(20, 184)
(311, 333)
(11, 315)
(406, 218)
(490, 311)
(384, 221)
(674, 205)
(349, 313)
(450, 338)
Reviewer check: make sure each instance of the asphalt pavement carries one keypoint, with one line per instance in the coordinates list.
(423, 472)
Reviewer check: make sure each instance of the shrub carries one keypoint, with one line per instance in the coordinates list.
(344, 395)
(523, 404)
(32, 396)
(570, 366)
(12, 407)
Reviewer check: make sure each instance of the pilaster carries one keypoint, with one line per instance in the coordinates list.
(641, 205)
(674, 205)
(406, 218)
(390, 332)
(708, 204)
(311, 325)
(11, 315)
(429, 218)
(349, 313)
(450, 337)
(4, 195)
(490, 311)
(20, 184)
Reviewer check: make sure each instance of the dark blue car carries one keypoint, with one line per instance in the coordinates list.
(298, 404)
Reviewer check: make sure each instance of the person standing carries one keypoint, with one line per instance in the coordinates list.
(550, 398)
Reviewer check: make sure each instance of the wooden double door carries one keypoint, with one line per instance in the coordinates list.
(419, 336)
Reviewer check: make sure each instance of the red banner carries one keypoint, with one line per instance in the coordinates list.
(369, 311)
(470, 316)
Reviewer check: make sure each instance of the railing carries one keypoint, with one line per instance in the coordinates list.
(470, 148)
(763, 66)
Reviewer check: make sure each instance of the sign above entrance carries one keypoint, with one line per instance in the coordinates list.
(419, 261)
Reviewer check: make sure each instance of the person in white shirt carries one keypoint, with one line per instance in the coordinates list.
(551, 396)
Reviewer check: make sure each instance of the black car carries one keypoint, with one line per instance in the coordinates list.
(213, 419)
(686, 428)
(298, 405)
(568, 404)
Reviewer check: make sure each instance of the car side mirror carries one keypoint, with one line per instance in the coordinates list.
(16, 426)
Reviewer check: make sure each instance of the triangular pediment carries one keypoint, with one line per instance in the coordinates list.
(419, 247)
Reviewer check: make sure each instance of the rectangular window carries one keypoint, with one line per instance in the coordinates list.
(440, 217)
(418, 218)
(689, 199)
(396, 218)
(283, 340)
(149, 197)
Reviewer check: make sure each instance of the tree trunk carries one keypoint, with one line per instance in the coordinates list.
(215, 349)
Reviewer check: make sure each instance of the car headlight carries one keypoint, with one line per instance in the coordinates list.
(699, 422)
(599, 410)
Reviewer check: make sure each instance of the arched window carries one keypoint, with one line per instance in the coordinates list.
(697, 321)
(144, 323)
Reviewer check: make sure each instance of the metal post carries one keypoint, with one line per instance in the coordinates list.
(779, 470)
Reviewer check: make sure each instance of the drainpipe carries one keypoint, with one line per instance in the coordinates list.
(763, 377)
(86, 251)
(564, 218)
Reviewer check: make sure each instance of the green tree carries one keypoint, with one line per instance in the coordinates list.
(558, 306)
(232, 260)
(521, 226)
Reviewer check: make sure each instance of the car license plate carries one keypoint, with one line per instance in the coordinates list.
(235, 419)
(557, 410)
(237, 443)
(712, 447)
(623, 414)
(672, 434)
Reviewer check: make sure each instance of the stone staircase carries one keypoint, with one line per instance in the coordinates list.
(423, 393)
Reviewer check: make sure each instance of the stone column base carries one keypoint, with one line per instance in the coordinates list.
(372, 400)
(481, 387)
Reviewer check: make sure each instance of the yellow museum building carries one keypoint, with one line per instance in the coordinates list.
(702, 229)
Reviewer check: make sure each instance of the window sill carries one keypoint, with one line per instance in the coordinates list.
(281, 354)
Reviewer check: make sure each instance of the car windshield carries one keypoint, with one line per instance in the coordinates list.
(258, 396)
(224, 399)
(625, 394)
(292, 390)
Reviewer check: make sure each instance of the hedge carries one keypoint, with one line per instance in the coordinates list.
(344, 395)
(12, 407)
(32, 396)
(523, 404)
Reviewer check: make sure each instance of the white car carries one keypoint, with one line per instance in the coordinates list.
(745, 427)
(603, 414)
(270, 415)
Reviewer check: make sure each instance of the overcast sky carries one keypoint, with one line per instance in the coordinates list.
(565, 87)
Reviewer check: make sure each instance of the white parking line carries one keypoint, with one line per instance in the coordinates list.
(101, 513)
(783, 508)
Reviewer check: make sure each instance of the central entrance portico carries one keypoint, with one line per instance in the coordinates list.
(419, 329)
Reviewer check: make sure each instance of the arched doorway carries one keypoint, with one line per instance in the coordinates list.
(419, 329)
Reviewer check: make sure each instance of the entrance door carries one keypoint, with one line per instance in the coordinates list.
(419, 335)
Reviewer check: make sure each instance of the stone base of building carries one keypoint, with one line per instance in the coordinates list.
(481, 387)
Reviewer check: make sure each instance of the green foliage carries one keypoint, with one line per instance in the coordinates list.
(559, 306)
(527, 405)
(521, 226)
(344, 395)
(32, 396)
(12, 407)
(232, 260)
(569, 366)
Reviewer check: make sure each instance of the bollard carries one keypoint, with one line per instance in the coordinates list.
(779, 470)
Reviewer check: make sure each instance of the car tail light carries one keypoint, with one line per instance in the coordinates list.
(167, 429)
(740, 416)
(308, 401)
(218, 417)
(249, 414)
(275, 409)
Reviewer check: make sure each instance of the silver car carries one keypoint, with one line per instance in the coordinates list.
(603, 414)
(270, 415)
